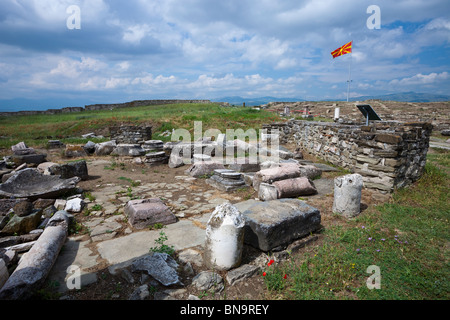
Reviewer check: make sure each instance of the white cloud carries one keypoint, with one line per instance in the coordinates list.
(134, 34)
(424, 79)
(203, 47)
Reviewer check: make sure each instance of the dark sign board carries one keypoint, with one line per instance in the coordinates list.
(368, 112)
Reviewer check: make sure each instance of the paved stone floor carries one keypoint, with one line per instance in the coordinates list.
(112, 243)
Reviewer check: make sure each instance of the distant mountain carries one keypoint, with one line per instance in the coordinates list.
(236, 100)
(403, 97)
(406, 97)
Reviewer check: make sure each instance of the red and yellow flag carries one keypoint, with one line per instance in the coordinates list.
(346, 48)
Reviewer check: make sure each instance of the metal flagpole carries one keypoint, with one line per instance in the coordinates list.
(349, 75)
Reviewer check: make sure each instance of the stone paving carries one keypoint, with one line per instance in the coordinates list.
(113, 244)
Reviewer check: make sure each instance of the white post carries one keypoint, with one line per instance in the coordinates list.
(336, 113)
(224, 238)
(347, 195)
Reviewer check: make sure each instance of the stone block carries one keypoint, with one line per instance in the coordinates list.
(241, 273)
(143, 213)
(245, 165)
(21, 225)
(130, 150)
(74, 151)
(74, 205)
(45, 166)
(204, 168)
(310, 171)
(36, 158)
(276, 223)
(388, 138)
(104, 148)
(70, 170)
(160, 266)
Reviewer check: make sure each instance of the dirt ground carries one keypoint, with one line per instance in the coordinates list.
(116, 287)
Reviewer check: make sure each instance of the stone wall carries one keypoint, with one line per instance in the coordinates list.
(128, 134)
(387, 154)
(139, 103)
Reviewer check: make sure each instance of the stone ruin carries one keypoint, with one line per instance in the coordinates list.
(388, 154)
(382, 155)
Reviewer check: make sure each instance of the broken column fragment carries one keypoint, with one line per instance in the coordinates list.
(284, 171)
(224, 238)
(296, 187)
(35, 265)
(347, 195)
(226, 180)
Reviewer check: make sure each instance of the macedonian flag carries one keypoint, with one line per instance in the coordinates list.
(346, 48)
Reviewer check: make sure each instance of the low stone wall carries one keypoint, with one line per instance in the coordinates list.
(387, 154)
(140, 103)
(128, 134)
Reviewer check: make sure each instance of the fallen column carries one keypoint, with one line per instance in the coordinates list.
(284, 171)
(296, 187)
(35, 265)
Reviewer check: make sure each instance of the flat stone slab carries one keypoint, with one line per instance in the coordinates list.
(276, 223)
(143, 213)
(132, 150)
(323, 167)
(121, 252)
(29, 183)
(76, 254)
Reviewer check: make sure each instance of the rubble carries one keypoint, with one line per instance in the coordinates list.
(35, 265)
(31, 184)
(226, 180)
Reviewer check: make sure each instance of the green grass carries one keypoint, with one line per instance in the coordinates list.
(36, 130)
(407, 239)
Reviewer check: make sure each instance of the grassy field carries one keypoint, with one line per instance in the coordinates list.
(406, 239)
(38, 129)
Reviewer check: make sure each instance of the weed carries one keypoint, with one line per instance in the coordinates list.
(97, 207)
(162, 247)
(156, 226)
(89, 196)
(131, 181)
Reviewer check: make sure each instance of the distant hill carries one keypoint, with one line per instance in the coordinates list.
(406, 97)
(402, 97)
(236, 100)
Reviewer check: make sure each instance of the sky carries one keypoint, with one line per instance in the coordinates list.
(78, 52)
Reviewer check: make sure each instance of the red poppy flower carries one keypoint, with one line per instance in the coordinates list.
(270, 262)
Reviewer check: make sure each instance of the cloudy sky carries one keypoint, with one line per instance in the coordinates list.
(206, 49)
